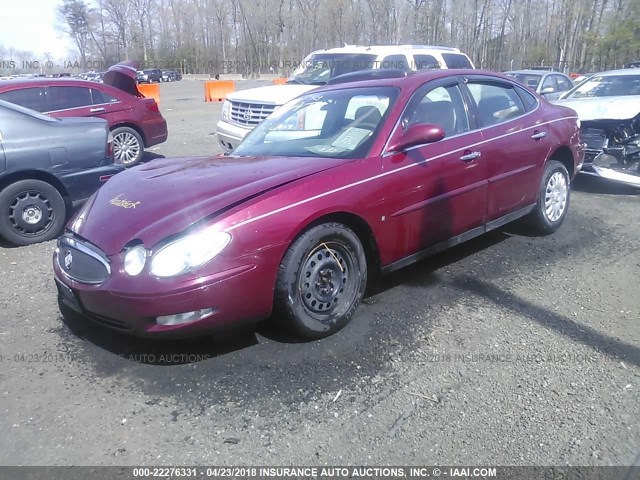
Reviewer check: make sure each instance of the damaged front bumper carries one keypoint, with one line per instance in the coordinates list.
(613, 150)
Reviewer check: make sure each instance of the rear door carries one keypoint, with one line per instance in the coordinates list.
(513, 149)
(77, 101)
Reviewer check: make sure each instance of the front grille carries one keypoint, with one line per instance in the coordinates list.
(250, 114)
(594, 138)
(82, 261)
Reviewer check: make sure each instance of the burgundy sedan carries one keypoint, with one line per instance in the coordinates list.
(135, 122)
(343, 181)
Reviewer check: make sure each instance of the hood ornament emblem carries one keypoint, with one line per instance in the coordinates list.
(68, 259)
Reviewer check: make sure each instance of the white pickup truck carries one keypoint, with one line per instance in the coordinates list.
(244, 110)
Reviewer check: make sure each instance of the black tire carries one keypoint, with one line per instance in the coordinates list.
(551, 209)
(321, 281)
(31, 211)
(128, 147)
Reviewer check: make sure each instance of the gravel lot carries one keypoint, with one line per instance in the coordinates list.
(507, 350)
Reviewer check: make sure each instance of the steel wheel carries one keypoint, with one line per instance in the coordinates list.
(326, 282)
(321, 281)
(31, 211)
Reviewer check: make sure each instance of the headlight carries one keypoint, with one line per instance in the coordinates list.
(188, 252)
(226, 110)
(134, 260)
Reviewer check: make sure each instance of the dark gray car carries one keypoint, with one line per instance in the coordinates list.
(548, 84)
(46, 166)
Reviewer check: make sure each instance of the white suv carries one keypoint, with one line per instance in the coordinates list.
(245, 109)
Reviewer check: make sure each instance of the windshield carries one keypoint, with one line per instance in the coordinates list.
(319, 68)
(337, 124)
(607, 86)
(531, 80)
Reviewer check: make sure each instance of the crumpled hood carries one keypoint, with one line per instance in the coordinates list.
(278, 94)
(165, 196)
(604, 108)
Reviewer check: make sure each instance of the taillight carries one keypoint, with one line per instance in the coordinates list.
(152, 105)
(110, 145)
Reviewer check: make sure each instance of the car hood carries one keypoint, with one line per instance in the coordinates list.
(274, 94)
(164, 197)
(601, 108)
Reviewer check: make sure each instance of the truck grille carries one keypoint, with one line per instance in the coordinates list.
(82, 261)
(594, 138)
(250, 114)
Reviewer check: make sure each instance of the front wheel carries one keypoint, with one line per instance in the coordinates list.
(128, 147)
(321, 281)
(31, 211)
(553, 199)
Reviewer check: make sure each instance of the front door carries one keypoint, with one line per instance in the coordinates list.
(439, 190)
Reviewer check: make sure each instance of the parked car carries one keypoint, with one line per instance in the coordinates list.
(149, 76)
(608, 105)
(135, 121)
(46, 166)
(171, 76)
(244, 109)
(344, 181)
(548, 84)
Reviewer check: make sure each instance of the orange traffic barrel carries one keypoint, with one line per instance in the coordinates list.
(280, 81)
(150, 90)
(217, 90)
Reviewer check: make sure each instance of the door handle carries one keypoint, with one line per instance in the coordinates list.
(538, 135)
(467, 157)
(96, 110)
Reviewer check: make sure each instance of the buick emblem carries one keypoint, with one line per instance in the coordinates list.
(68, 259)
(247, 114)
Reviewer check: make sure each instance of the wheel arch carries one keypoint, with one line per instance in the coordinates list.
(132, 126)
(564, 155)
(35, 175)
(360, 227)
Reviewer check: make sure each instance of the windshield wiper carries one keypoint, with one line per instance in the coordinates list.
(320, 82)
(294, 81)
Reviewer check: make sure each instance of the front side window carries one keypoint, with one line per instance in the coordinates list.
(564, 83)
(442, 106)
(63, 98)
(496, 103)
(339, 123)
(550, 82)
(32, 98)
(398, 62)
(607, 86)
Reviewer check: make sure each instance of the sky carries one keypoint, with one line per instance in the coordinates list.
(33, 25)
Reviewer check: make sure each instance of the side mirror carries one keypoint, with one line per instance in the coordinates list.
(548, 90)
(417, 134)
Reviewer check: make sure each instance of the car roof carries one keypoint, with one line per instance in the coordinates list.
(533, 72)
(386, 49)
(37, 81)
(413, 79)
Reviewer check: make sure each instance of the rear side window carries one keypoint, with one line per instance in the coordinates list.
(496, 103)
(394, 62)
(32, 98)
(100, 98)
(63, 98)
(528, 99)
(455, 60)
(425, 62)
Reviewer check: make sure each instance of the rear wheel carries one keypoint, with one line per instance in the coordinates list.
(128, 147)
(321, 281)
(553, 199)
(31, 211)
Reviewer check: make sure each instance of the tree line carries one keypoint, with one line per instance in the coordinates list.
(261, 36)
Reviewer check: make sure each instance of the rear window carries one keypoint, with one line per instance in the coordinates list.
(32, 98)
(456, 60)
